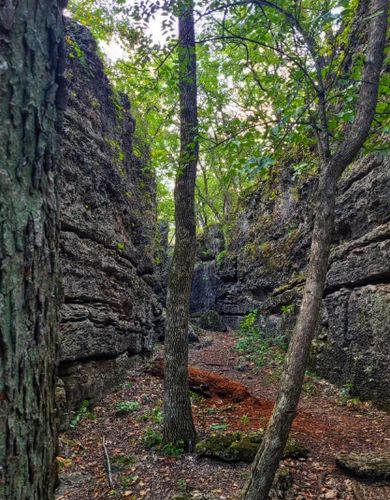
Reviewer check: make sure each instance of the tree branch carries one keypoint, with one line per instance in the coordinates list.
(365, 108)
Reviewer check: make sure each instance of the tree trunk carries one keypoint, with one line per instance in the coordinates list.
(275, 439)
(178, 422)
(271, 450)
(30, 46)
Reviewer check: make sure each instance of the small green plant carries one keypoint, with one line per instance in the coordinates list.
(221, 257)
(83, 413)
(151, 438)
(245, 420)
(127, 481)
(206, 253)
(125, 407)
(120, 246)
(123, 460)
(219, 427)
(172, 449)
(195, 397)
(182, 485)
(157, 416)
(253, 344)
(287, 309)
(127, 385)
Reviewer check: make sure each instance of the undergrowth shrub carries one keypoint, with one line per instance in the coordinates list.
(255, 346)
(83, 413)
(125, 407)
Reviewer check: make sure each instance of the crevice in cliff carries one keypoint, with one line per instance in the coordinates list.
(104, 356)
(374, 279)
(382, 234)
(84, 299)
(82, 234)
(361, 175)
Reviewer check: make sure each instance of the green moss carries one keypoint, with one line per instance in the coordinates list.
(221, 256)
(75, 51)
(237, 446)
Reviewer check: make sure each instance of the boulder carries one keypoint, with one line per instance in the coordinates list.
(241, 447)
(371, 465)
(212, 321)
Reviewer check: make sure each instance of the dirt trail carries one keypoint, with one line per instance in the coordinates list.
(321, 417)
(323, 425)
(238, 397)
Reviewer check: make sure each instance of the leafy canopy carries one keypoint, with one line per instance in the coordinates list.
(276, 79)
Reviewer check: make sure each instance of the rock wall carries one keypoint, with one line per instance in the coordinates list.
(266, 262)
(204, 283)
(110, 311)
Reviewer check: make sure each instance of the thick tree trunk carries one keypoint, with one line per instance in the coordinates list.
(271, 450)
(178, 422)
(30, 43)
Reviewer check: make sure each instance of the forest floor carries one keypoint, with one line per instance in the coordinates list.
(327, 423)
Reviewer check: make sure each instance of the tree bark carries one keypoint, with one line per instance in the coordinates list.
(178, 422)
(271, 450)
(30, 73)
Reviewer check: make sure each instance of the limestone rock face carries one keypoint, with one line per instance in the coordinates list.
(267, 260)
(204, 283)
(110, 310)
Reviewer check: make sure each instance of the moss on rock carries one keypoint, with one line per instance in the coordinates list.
(241, 447)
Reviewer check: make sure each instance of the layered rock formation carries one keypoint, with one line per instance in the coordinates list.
(110, 311)
(204, 284)
(265, 268)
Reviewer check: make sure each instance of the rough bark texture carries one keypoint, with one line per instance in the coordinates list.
(271, 450)
(108, 218)
(30, 70)
(178, 422)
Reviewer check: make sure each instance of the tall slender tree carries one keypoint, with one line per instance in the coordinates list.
(178, 421)
(30, 92)
(332, 166)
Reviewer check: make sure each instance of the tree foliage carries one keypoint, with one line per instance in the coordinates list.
(266, 70)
